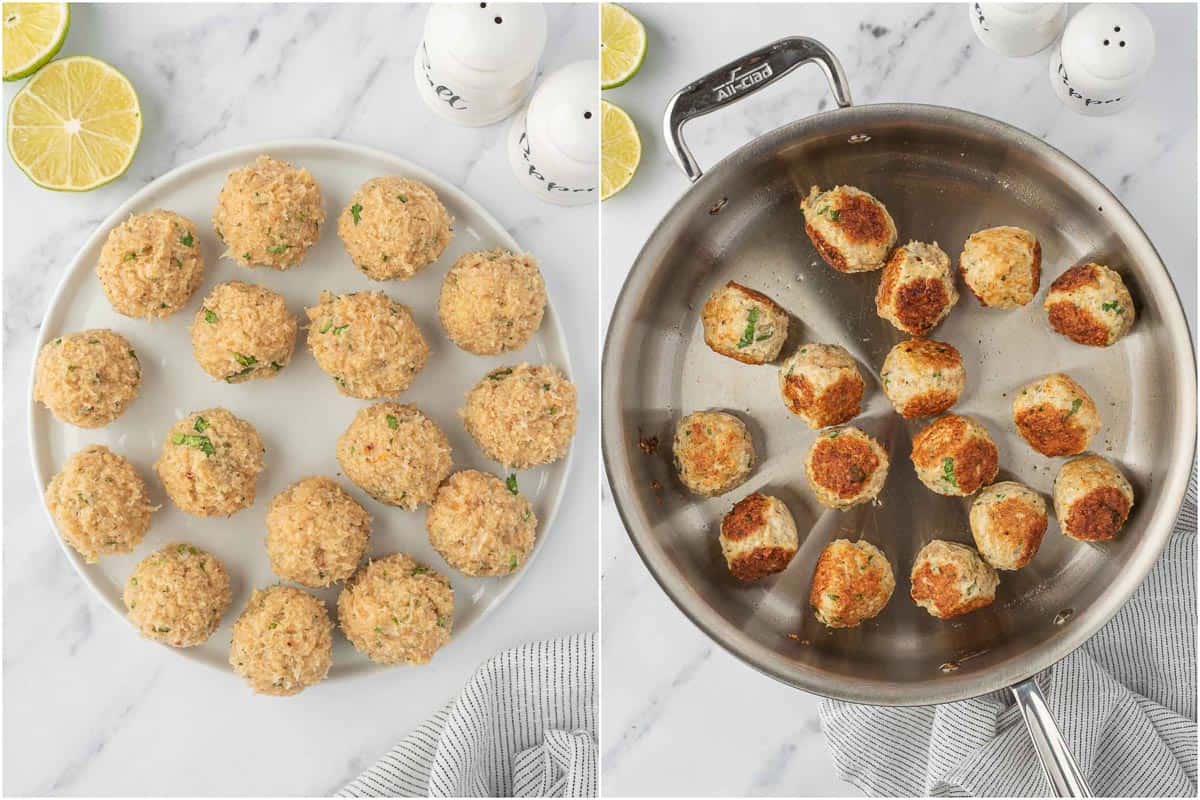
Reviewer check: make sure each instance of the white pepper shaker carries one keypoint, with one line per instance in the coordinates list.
(554, 145)
(476, 62)
(1102, 59)
(1017, 30)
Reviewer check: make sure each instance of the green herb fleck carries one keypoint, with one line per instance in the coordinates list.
(500, 373)
(130, 256)
(210, 317)
(511, 483)
(201, 425)
(202, 443)
(948, 472)
(1075, 405)
(245, 361)
(186, 240)
(328, 324)
(392, 422)
(245, 256)
(402, 198)
(1113, 306)
(419, 570)
(512, 561)
(356, 212)
(340, 329)
(748, 334)
(278, 249)
(275, 365)
(442, 621)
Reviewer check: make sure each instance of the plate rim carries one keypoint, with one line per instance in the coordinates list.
(404, 166)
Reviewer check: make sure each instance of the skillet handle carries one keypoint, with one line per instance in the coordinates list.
(1057, 762)
(741, 78)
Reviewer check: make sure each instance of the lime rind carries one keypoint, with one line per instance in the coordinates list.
(104, 180)
(40, 59)
(621, 149)
(622, 46)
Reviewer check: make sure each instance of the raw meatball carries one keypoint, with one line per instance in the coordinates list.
(922, 377)
(1008, 521)
(480, 524)
(713, 452)
(853, 582)
(1055, 415)
(522, 416)
(758, 537)
(243, 332)
(821, 384)
(846, 467)
(951, 579)
(87, 379)
(1092, 499)
(99, 503)
(851, 230)
(917, 290)
(1002, 266)
(283, 641)
(368, 343)
(396, 454)
(1089, 304)
(178, 595)
(268, 214)
(394, 228)
(492, 301)
(397, 611)
(955, 456)
(210, 463)
(151, 264)
(316, 533)
(744, 324)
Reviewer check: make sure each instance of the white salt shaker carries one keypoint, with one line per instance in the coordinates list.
(1017, 30)
(476, 62)
(554, 145)
(1102, 59)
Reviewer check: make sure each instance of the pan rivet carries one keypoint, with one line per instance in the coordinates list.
(717, 206)
(1061, 617)
(859, 138)
(949, 666)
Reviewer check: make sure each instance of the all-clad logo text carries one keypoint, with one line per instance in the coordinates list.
(742, 79)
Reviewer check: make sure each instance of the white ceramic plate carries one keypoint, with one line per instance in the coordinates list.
(299, 413)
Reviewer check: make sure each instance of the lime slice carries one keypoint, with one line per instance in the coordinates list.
(620, 149)
(622, 46)
(75, 125)
(33, 33)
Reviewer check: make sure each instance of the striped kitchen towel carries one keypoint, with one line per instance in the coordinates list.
(524, 726)
(1125, 701)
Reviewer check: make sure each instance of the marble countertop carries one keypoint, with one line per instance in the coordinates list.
(91, 709)
(681, 716)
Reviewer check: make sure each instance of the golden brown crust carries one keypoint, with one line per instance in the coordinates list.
(1036, 269)
(831, 255)
(928, 404)
(1011, 519)
(843, 465)
(941, 588)
(1077, 324)
(934, 355)
(759, 296)
(920, 303)
(1050, 431)
(861, 219)
(976, 465)
(928, 444)
(976, 459)
(747, 516)
(760, 562)
(1075, 277)
(860, 586)
(840, 402)
(1098, 515)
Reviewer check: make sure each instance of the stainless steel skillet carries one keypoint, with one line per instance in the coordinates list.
(943, 173)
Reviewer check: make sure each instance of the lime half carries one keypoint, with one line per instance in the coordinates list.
(620, 149)
(622, 46)
(33, 33)
(75, 125)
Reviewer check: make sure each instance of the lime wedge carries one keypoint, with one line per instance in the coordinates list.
(620, 149)
(75, 125)
(33, 33)
(622, 46)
